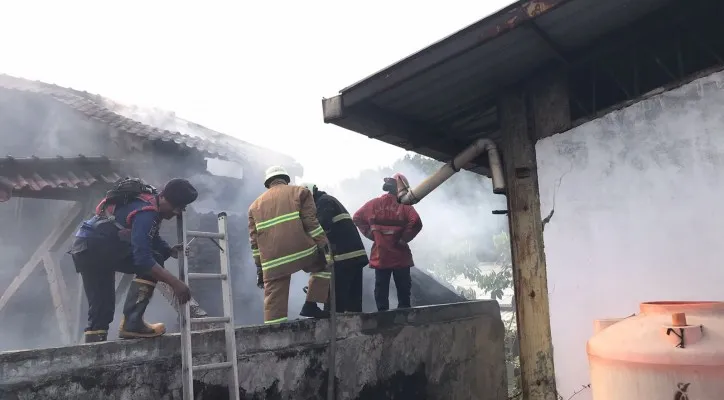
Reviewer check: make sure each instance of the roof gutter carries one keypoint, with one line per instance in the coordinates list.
(408, 195)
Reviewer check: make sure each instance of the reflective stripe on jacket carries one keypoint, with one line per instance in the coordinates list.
(346, 243)
(284, 232)
(391, 226)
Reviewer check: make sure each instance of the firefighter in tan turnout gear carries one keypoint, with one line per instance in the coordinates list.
(286, 237)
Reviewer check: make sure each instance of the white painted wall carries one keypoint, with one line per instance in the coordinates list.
(637, 215)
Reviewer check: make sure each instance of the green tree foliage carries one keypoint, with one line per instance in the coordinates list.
(496, 282)
(465, 234)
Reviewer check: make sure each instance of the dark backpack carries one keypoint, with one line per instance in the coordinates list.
(128, 189)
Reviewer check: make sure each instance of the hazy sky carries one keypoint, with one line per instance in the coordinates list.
(256, 70)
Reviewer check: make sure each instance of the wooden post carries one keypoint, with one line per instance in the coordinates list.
(80, 311)
(53, 241)
(44, 254)
(59, 293)
(518, 119)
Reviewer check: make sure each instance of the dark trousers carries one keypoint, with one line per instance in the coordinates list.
(403, 284)
(99, 283)
(348, 287)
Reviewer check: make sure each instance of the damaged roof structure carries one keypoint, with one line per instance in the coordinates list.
(531, 70)
(108, 112)
(112, 135)
(38, 121)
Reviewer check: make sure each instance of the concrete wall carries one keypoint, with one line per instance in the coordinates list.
(439, 352)
(637, 214)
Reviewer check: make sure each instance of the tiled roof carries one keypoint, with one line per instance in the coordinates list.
(55, 178)
(97, 107)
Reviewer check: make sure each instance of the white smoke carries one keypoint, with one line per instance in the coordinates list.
(457, 217)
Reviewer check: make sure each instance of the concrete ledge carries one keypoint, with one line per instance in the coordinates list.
(431, 351)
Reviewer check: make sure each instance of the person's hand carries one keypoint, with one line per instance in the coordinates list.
(259, 278)
(176, 250)
(182, 292)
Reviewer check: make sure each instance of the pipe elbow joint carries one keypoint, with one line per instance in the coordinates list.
(408, 198)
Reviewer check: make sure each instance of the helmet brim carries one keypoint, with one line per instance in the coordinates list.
(271, 178)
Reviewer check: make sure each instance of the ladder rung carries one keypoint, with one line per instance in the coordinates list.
(210, 367)
(199, 275)
(209, 235)
(209, 320)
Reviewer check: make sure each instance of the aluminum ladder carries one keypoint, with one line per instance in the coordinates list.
(185, 321)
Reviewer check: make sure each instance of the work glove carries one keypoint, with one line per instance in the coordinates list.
(259, 278)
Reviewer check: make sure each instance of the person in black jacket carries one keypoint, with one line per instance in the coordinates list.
(350, 256)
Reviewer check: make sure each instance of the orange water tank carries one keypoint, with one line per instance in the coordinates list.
(671, 350)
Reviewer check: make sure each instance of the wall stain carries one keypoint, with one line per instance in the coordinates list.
(398, 387)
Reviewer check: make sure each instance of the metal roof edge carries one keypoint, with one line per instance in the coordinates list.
(437, 43)
(490, 28)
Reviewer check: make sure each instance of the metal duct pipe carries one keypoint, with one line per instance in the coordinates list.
(407, 195)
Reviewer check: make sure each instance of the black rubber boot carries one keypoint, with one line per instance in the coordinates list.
(132, 325)
(312, 310)
(95, 336)
(328, 308)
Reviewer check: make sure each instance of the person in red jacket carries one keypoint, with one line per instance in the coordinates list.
(391, 226)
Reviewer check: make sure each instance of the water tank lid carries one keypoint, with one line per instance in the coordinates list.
(688, 307)
(642, 339)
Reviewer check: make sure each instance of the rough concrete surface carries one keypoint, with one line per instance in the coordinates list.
(438, 352)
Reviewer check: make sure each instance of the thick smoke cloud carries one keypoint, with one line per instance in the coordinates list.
(456, 218)
(34, 125)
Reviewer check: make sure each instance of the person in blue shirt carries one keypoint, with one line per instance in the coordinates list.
(124, 237)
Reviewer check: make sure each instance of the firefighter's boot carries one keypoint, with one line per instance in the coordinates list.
(132, 325)
(312, 310)
(95, 336)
